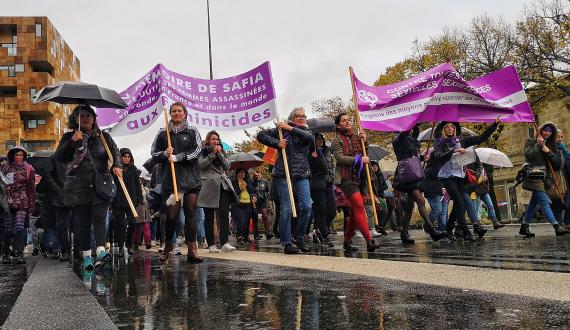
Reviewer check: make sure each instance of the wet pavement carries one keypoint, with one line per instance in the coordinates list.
(500, 249)
(140, 293)
(12, 279)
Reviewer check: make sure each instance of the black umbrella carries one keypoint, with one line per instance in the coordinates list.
(321, 125)
(376, 152)
(41, 161)
(257, 153)
(244, 160)
(68, 92)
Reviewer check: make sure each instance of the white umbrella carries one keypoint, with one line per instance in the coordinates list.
(493, 157)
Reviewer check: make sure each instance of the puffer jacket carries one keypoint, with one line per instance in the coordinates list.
(188, 144)
(84, 192)
(299, 140)
(534, 156)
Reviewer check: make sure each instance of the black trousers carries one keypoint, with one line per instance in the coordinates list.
(324, 206)
(223, 211)
(123, 223)
(63, 225)
(456, 188)
(241, 214)
(86, 216)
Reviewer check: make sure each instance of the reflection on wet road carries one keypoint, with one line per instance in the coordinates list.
(140, 293)
(12, 279)
(503, 249)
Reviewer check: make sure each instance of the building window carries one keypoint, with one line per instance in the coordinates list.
(62, 64)
(10, 144)
(41, 121)
(11, 71)
(32, 123)
(33, 92)
(58, 126)
(19, 67)
(38, 30)
(53, 49)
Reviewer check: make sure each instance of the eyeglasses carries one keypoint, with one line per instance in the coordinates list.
(301, 116)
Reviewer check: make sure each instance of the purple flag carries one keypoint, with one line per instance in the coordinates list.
(239, 102)
(442, 94)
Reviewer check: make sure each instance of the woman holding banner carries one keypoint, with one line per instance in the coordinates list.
(347, 150)
(184, 153)
(296, 141)
(539, 180)
(449, 142)
(407, 149)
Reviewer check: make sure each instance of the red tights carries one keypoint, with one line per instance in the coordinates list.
(357, 218)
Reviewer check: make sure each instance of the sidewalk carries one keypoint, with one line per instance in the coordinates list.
(54, 297)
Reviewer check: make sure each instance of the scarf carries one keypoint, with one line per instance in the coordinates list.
(351, 147)
(80, 152)
(178, 127)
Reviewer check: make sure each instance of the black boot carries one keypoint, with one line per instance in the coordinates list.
(349, 247)
(290, 249)
(479, 230)
(467, 237)
(382, 231)
(525, 231)
(434, 233)
(371, 245)
(559, 230)
(450, 235)
(406, 239)
(497, 224)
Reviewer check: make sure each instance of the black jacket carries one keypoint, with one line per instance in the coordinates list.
(84, 191)
(131, 178)
(444, 148)
(187, 145)
(320, 175)
(55, 176)
(406, 145)
(299, 142)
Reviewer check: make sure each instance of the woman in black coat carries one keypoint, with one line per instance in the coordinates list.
(123, 219)
(186, 147)
(406, 145)
(448, 142)
(83, 153)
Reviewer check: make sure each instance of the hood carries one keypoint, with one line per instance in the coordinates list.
(123, 151)
(552, 139)
(13, 150)
(439, 129)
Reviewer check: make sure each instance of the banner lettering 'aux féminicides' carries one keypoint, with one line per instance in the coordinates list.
(442, 94)
(235, 103)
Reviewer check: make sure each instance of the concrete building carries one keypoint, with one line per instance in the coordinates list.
(554, 108)
(32, 55)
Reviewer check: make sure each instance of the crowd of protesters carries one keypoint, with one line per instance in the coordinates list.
(192, 193)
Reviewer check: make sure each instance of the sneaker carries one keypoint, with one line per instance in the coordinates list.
(358, 235)
(88, 263)
(382, 231)
(374, 233)
(64, 257)
(177, 251)
(228, 248)
(102, 258)
(214, 249)
(161, 248)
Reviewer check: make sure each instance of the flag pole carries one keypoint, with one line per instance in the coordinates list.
(172, 170)
(359, 126)
(429, 142)
(287, 175)
(209, 39)
(121, 182)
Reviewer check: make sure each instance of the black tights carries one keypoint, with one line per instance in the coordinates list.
(191, 220)
(456, 189)
(415, 196)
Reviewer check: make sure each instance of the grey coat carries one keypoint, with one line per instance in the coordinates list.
(211, 176)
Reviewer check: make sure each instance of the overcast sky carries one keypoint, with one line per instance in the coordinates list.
(310, 43)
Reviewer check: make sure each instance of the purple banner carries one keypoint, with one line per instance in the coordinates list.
(442, 94)
(239, 102)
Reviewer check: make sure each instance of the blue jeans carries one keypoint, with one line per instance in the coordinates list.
(201, 229)
(304, 204)
(539, 198)
(488, 203)
(470, 205)
(438, 211)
